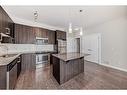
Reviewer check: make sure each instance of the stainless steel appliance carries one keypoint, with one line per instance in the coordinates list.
(42, 59)
(41, 41)
(11, 74)
(62, 46)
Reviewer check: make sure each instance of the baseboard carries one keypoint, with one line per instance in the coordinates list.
(110, 66)
(114, 67)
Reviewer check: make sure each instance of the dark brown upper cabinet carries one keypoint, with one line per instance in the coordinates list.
(61, 35)
(41, 32)
(0, 19)
(51, 37)
(6, 27)
(6, 23)
(24, 34)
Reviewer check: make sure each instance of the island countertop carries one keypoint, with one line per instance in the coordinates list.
(69, 56)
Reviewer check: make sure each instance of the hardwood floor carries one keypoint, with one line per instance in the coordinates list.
(95, 77)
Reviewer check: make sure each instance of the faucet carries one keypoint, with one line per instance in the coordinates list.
(6, 48)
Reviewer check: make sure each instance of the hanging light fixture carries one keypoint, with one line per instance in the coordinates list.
(35, 16)
(70, 27)
(81, 31)
(81, 21)
(70, 24)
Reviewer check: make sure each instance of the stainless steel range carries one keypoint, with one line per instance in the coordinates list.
(42, 59)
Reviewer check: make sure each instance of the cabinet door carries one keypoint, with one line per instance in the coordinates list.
(24, 34)
(18, 34)
(3, 21)
(37, 31)
(28, 61)
(19, 68)
(51, 37)
(61, 35)
(30, 35)
(58, 34)
(40, 32)
(13, 77)
(44, 33)
(0, 19)
(11, 27)
(3, 70)
(64, 35)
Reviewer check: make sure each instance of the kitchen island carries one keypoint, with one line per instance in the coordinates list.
(67, 65)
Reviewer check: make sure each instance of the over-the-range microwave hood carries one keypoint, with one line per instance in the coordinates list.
(41, 41)
(40, 38)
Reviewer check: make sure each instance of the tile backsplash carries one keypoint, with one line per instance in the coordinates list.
(19, 48)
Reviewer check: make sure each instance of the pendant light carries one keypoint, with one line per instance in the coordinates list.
(70, 24)
(81, 21)
(70, 27)
(35, 16)
(81, 31)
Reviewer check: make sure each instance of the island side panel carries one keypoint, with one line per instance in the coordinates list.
(56, 68)
(81, 65)
(71, 68)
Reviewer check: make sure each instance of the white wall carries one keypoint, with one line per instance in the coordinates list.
(114, 42)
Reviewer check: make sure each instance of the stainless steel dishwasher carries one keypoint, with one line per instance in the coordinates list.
(11, 74)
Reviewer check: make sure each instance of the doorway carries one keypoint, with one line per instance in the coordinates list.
(78, 45)
(92, 46)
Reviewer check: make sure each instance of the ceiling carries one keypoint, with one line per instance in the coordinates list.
(60, 16)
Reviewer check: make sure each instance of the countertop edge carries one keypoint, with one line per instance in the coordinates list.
(70, 58)
(8, 61)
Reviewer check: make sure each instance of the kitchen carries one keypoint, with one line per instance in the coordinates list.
(72, 50)
(26, 48)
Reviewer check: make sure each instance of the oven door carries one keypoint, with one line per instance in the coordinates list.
(41, 58)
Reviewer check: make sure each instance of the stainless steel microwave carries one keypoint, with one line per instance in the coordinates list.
(41, 41)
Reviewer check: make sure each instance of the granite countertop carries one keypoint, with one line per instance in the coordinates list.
(69, 56)
(6, 60)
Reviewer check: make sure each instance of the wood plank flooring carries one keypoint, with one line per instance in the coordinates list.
(95, 77)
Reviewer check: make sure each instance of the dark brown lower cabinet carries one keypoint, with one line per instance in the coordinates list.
(28, 61)
(3, 70)
(12, 77)
(19, 66)
(65, 70)
(8, 74)
(56, 68)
